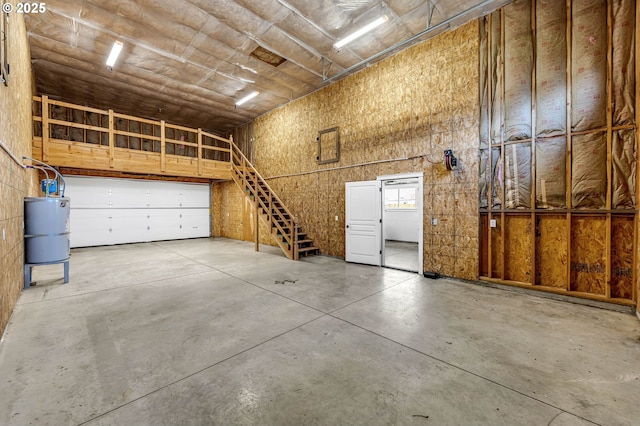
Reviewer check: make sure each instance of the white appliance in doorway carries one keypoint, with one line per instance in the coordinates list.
(107, 211)
(365, 225)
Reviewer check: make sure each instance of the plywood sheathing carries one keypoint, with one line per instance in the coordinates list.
(484, 245)
(622, 257)
(551, 251)
(588, 260)
(394, 117)
(15, 182)
(497, 253)
(518, 265)
(229, 219)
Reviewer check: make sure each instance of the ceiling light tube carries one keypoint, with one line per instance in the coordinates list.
(362, 31)
(115, 51)
(247, 98)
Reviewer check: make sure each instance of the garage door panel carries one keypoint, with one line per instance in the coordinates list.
(89, 227)
(116, 211)
(195, 223)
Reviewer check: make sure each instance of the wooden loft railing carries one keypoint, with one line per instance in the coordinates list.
(76, 136)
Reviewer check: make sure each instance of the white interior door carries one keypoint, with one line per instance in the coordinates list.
(363, 222)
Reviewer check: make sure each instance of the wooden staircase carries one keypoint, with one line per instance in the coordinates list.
(271, 210)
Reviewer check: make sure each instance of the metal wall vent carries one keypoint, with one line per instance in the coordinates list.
(267, 56)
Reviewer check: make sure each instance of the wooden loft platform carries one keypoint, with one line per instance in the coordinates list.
(79, 137)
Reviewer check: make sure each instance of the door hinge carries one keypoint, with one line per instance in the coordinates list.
(380, 251)
(380, 220)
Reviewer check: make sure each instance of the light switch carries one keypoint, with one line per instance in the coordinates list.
(336, 218)
(493, 223)
(434, 221)
(4, 237)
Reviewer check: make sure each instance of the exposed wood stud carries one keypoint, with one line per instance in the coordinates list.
(163, 146)
(45, 128)
(199, 152)
(112, 138)
(636, 281)
(609, 85)
(502, 196)
(533, 144)
(568, 163)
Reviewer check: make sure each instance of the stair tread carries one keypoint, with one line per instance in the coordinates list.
(308, 249)
(304, 241)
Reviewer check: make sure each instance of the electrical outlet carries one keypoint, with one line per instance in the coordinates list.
(493, 223)
(336, 218)
(4, 237)
(434, 221)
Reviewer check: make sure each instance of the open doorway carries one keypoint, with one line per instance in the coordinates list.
(402, 222)
(384, 222)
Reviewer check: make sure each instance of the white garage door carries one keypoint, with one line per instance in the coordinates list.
(115, 211)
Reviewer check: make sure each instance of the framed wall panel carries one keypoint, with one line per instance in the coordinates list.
(560, 179)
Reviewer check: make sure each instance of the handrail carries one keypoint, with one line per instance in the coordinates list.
(246, 176)
(233, 145)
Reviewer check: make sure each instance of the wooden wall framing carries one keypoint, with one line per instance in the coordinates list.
(559, 147)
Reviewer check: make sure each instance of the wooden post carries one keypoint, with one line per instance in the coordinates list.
(568, 163)
(636, 284)
(163, 150)
(490, 82)
(609, 109)
(257, 222)
(112, 138)
(533, 147)
(502, 107)
(199, 152)
(45, 128)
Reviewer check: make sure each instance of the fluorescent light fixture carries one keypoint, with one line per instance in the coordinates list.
(247, 98)
(362, 31)
(115, 51)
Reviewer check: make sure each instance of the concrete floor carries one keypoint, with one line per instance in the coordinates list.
(209, 332)
(401, 255)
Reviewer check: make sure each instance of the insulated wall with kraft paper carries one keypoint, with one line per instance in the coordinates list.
(551, 68)
(623, 93)
(518, 62)
(497, 185)
(483, 180)
(484, 84)
(623, 159)
(551, 165)
(589, 65)
(517, 175)
(589, 171)
(495, 53)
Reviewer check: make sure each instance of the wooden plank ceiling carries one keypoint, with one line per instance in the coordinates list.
(189, 61)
